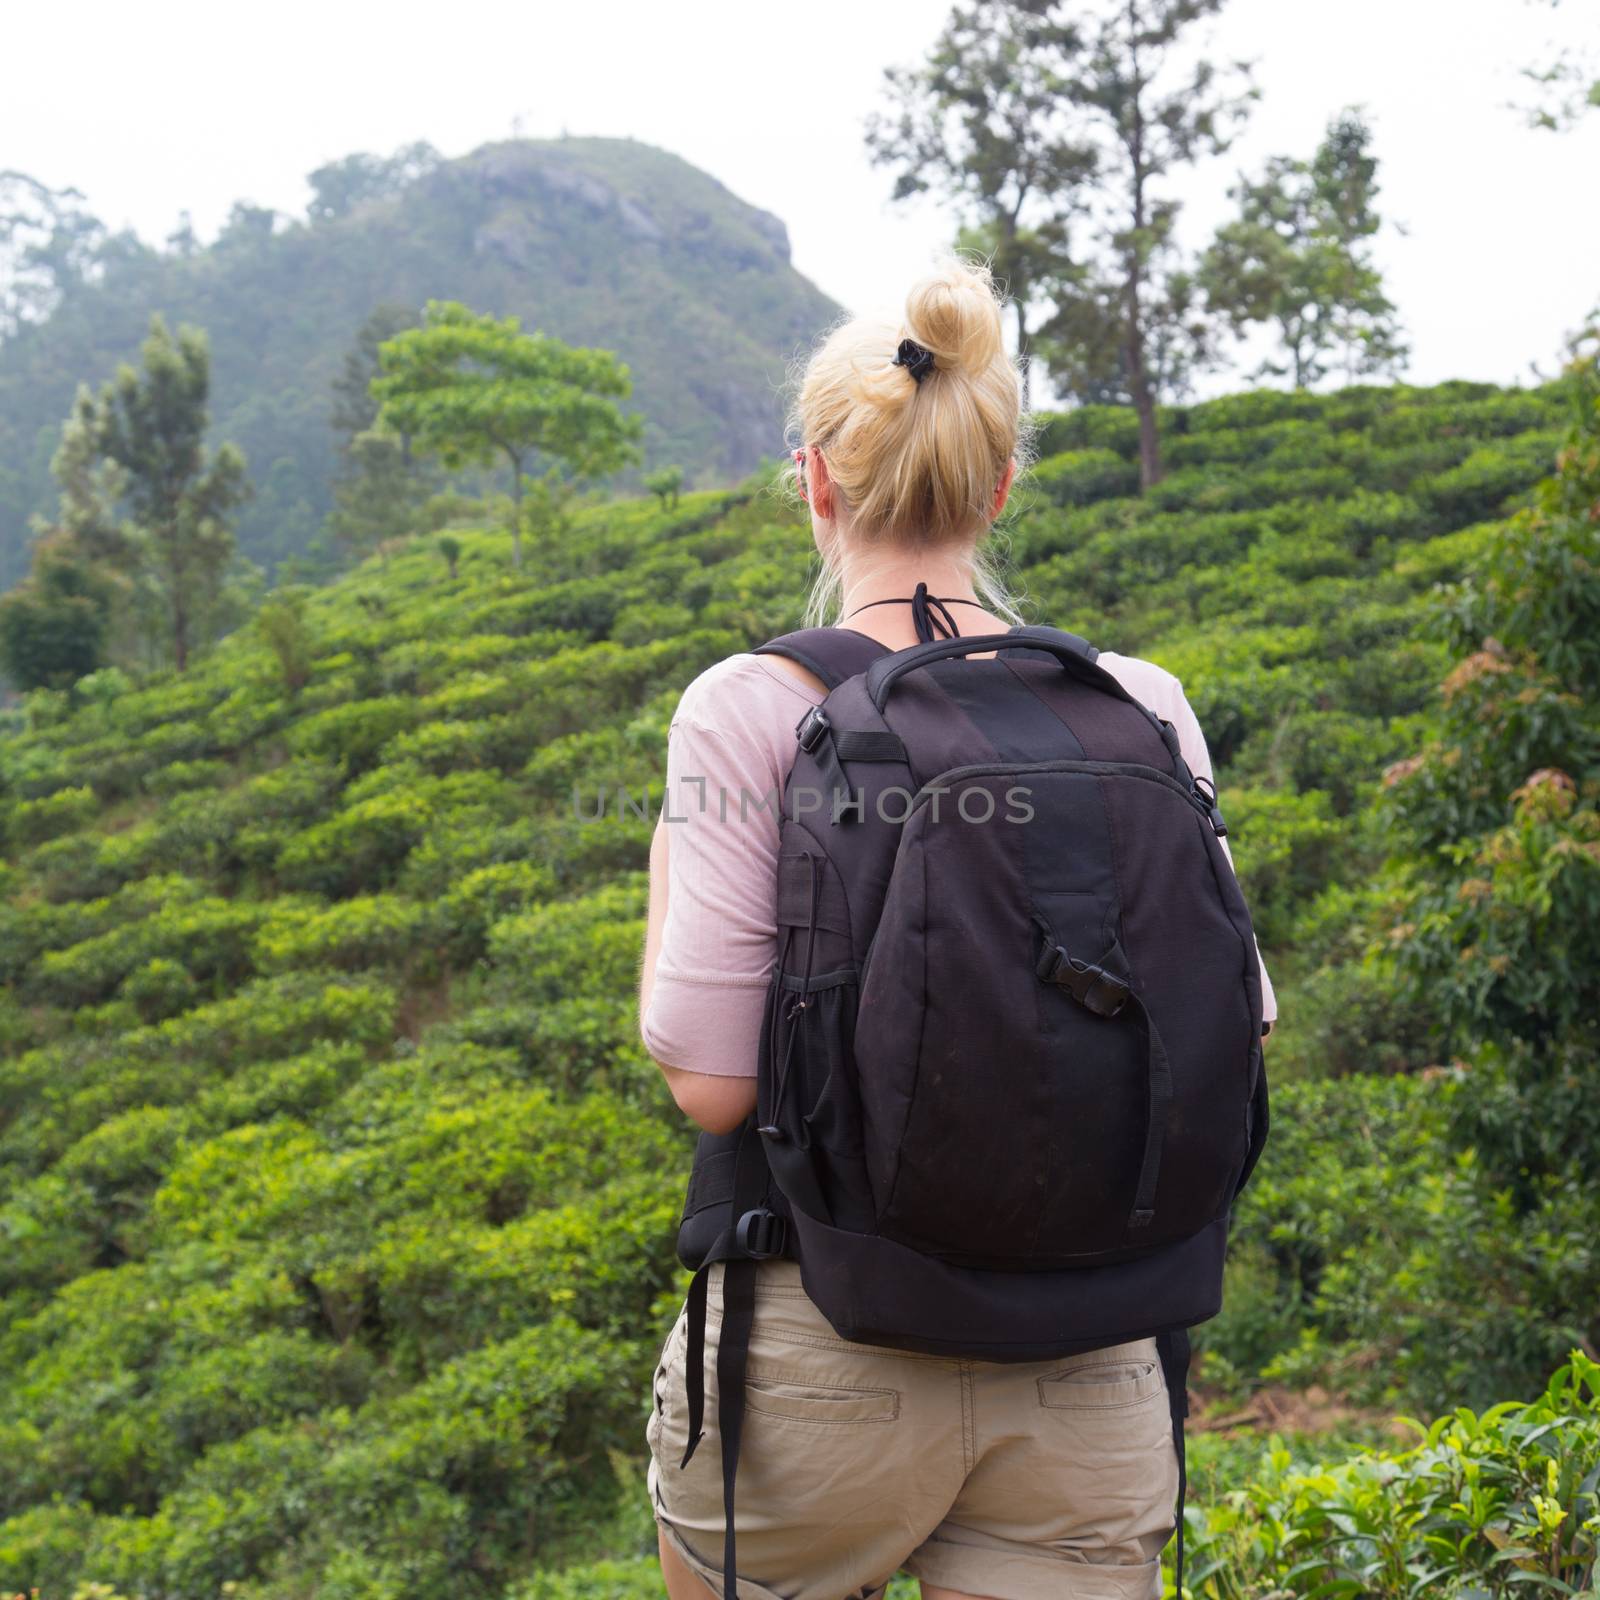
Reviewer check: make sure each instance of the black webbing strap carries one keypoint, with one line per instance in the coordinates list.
(733, 1350)
(1104, 988)
(825, 752)
(830, 747)
(868, 744)
(694, 1358)
(750, 1178)
(1159, 1081)
(1173, 1349)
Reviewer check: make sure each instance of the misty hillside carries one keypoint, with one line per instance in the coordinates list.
(604, 242)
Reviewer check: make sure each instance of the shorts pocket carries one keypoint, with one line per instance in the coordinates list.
(665, 1383)
(811, 1402)
(1097, 1386)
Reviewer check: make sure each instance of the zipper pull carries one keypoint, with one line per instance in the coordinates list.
(1206, 800)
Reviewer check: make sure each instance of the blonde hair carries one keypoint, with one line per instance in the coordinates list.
(914, 464)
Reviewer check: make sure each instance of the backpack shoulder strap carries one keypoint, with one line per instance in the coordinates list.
(833, 654)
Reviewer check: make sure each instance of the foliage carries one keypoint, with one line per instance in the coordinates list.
(281, 620)
(1295, 257)
(665, 485)
(1495, 911)
(1493, 1504)
(467, 388)
(55, 624)
(143, 500)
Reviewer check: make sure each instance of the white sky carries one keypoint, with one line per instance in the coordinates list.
(169, 105)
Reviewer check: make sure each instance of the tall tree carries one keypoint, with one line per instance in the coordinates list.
(981, 123)
(355, 407)
(470, 388)
(177, 495)
(381, 486)
(1148, 116)
(1297, 256)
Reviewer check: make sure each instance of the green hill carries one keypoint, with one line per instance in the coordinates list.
(337, 1194)
(604, 242)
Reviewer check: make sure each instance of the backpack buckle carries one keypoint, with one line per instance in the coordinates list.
(811, 727)
(1097, 990)
(761, 1233)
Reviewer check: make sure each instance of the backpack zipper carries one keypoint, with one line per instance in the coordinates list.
(1123, 769)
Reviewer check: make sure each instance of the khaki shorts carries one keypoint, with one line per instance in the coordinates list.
(1045, 1480)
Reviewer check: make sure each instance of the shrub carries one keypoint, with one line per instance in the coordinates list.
(1075, 477)
(65, 811)
(1491, 1505)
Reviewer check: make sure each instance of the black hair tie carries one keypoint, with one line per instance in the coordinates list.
(914, 358)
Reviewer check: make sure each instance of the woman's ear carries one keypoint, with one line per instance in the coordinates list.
(819, 485)
(1006, 480)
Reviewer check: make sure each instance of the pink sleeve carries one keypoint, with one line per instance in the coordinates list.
(1193, 744)
(719, 940)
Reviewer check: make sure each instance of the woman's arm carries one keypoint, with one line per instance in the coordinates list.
(716, 1102)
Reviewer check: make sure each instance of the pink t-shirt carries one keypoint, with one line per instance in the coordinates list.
(734, 730)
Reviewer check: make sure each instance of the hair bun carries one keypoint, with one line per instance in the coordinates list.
(954, 313)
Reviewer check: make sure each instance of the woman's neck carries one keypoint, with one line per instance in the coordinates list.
(897, 579)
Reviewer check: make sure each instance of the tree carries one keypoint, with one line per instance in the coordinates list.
(379, 494)
(468, 388)
(665, 484)
(1296, 257)
(982, 123)
(1131, 292)
(176, 494)
(450, 549)
(49, 245)
(355, 407)
(54, 625)
(340, 186)
(248, 226)
(381, 487)
(281, 621)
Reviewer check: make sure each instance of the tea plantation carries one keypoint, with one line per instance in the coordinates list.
(337, 1196)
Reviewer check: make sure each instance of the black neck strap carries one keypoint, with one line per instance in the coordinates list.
(928, 612)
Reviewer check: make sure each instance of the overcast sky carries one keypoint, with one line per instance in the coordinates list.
(167, 106)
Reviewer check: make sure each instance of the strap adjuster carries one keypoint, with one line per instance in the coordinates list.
(811, 727)
(761, 1233)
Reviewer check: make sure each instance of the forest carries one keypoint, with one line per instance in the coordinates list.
(338, 1194)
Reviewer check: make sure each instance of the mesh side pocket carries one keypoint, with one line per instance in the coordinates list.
(808, 1105)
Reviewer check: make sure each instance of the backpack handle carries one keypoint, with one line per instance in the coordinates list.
(1071, 651)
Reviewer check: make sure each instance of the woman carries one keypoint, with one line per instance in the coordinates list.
(1009, 1480)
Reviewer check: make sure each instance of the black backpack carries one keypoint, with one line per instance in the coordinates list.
(1010, 1079)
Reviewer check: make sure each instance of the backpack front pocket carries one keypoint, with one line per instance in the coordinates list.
(1003, 1116)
